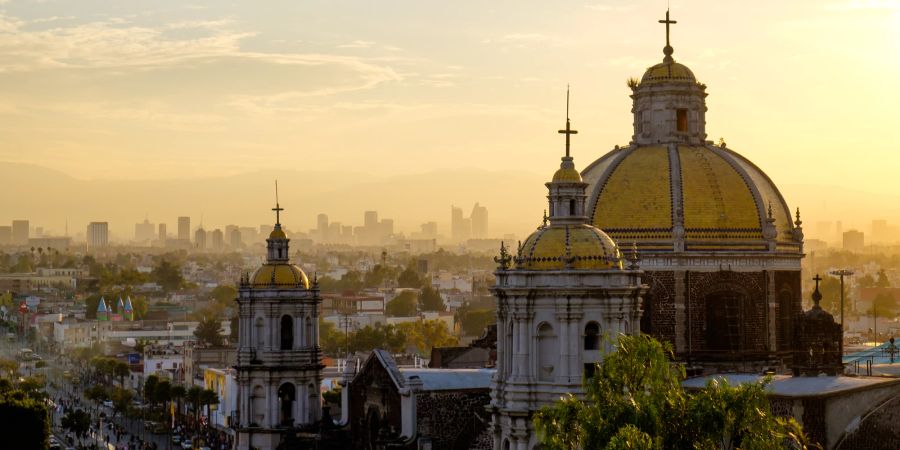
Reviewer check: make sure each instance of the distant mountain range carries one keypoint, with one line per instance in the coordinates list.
(515, 200)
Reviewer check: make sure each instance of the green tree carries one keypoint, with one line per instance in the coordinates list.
(168, 275)
(403, 305)
(409, 278)
(635, 400)
(209, 331)
(427, 334)
(884, 305)
(224, 294)
(866, 281)
(77, 421)
(150, 385)
(194, 397)
(177, 393)
(208, 397)
(332, 340)
(121, 399)
(883, 281)
(430, 300)
(26, 419)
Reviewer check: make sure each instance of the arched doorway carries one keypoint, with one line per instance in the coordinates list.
(548, 351)
(287, 395)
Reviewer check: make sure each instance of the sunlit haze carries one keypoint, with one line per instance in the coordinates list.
(117, 111)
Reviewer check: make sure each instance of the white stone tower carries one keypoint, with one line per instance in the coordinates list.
(279, 364)
(561, 302)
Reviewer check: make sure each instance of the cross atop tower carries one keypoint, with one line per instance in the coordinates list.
(278, 209)
(667, 22)
(817, 279)
(568, 131)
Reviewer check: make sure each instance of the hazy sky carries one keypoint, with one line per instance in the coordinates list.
(175, 89)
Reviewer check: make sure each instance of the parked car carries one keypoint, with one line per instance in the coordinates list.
(186, 444)
(108, 403)
(176, 439)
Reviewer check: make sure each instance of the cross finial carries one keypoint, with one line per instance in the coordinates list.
(817, 279)
(817, 296)
(278, 209)
(668, 48)
(568, 131)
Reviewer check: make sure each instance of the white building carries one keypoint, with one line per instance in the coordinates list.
(97, 235)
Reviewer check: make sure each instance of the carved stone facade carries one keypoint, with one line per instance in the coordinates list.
(279, 363)
(560, 306)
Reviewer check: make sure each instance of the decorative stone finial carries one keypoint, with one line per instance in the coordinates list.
(504, 259)
(545, 219)
(633, 259)
(798, 222)
(668, 50)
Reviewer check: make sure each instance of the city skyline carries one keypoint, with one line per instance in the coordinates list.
(350, 97)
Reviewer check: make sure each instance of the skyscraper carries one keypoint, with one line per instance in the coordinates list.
(5, 235)
(144, 231)
(217, 239)
(322, 227)
(200, 238)
(162, 232)
(184, 228)
(460, 228)
(20, 232)
(479, 222)
(97, 235)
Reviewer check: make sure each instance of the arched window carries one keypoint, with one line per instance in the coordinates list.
(287, 332)
(572, 207)
(506, 444)
(258, 406)
(592, 336)
(260, 332)
(548, 352)
(287, 394)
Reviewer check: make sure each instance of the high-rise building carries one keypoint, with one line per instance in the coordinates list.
(184, 228)
(97, 235)
(853, 240)
(429, 230)
(5, 235)
(460, 227)
(479, 222)
(385, 228)
(144, 231)
(322, 227)
(217, 240)
(20, 232)
(162, 232)
(200, 238)
(234, 238)
(370, 219)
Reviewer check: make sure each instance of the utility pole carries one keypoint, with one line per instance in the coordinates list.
(842, 273)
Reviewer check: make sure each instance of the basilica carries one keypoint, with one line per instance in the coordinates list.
(673, 236)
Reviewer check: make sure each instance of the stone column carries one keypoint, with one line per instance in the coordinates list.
(681, 329)
(562, 330)
(771, 312)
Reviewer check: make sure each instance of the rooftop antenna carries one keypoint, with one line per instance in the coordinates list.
(568, 131)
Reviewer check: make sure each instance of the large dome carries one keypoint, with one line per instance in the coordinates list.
(708, 197)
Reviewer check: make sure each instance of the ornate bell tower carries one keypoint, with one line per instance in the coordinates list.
(279, 361)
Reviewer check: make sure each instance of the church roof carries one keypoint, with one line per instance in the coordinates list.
(578, 246)
(668, 72)
(712, 196)
(449, 379)
(279, 275)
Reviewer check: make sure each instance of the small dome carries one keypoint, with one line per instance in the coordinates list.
(277, 233)
(567, 174)
(668, 72)
(279, 275)
(586, 246)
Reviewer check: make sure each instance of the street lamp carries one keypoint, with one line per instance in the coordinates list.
(842, 273)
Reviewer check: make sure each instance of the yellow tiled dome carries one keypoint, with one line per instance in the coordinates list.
(277, 233)
(279, 275)
(579, 246)
(567, 174)
(715, 197)
(668, 72)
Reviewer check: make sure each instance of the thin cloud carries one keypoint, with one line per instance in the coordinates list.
(357, 44)
(864, 5)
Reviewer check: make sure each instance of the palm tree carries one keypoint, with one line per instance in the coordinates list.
(209, 397)
(193, 397)
(178, 392)
(121, 370)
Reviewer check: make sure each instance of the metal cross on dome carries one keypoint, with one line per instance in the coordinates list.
(278, 209)
(568, 131)
(667, 22)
